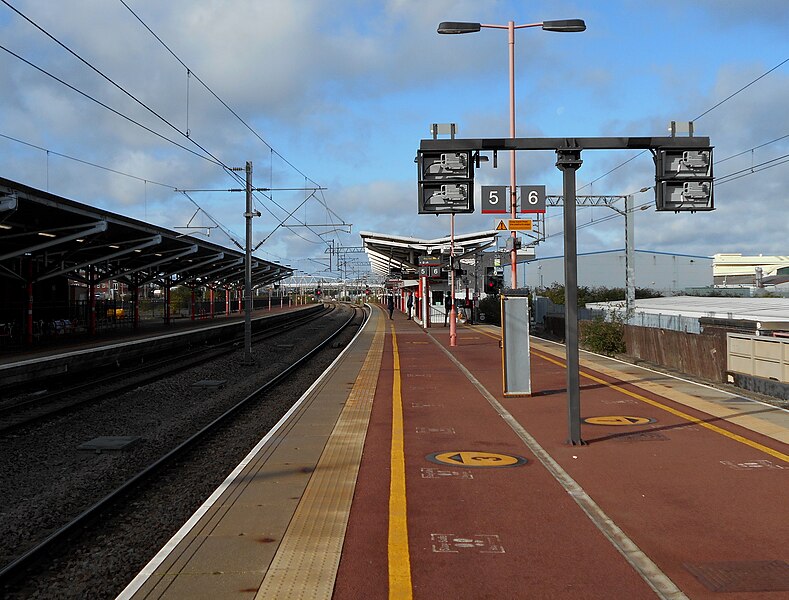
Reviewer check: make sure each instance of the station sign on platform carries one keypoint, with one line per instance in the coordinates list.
(494, 199)
(431, 266)
(516, 362)
(446, 182)
(532, 198)
(513, 225)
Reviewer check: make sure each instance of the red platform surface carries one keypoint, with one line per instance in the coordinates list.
(681, 492)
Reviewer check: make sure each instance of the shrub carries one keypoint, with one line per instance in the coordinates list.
(603, 337)
(595, 294)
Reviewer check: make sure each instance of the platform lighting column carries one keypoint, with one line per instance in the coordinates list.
(453, 337)
(571, 25)
(424, 304)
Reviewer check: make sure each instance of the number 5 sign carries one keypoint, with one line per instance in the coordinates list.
(495, 199)
(532, 198)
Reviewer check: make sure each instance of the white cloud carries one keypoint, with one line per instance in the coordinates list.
(345, 89)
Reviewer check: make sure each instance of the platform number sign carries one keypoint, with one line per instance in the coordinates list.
(532, 198)
(494, 199)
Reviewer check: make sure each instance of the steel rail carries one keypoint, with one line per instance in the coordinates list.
(9, 571)
(180, 362)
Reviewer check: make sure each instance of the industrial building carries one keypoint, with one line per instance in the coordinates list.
(730, 270)
(662, 271)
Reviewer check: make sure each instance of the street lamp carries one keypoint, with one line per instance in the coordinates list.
(566, 26)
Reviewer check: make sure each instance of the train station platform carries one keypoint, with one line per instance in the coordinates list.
(58, 343)
(405, 473)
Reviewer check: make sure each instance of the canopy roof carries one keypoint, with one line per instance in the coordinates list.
(391, 252)
(68, 239)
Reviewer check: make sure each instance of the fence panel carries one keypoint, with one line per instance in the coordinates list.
(760, 356)
(699, 355)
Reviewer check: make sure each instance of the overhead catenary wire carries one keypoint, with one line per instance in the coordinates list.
(220, 100)
(778, 139)
(86, 162)
(111, 82)
(235, 114)
(746, 86)
(229, 233)
(209, 156)
(103, 105)
(768, 164)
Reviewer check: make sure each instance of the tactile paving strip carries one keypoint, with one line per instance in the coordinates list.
(306, 562)
(748, 576)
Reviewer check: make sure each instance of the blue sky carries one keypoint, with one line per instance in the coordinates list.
(344, 91)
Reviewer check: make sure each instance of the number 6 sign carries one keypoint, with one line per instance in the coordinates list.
(532, 198)
(495, 199)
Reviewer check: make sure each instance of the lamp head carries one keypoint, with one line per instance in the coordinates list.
(565, 25)
(454, 27)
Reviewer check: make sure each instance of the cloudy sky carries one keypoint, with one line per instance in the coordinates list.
(337, 94)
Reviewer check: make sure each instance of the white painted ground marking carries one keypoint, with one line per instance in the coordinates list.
(656, 579)
(753, 464)
(442, 430)
(435, 473)
(483, 543)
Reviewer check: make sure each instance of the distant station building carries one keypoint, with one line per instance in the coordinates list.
(770, 273)
(421, 267)
(662, 271)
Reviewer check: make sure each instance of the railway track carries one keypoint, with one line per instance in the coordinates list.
(68, 396)
(26, 562)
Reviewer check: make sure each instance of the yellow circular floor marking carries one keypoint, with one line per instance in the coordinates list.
(474, 458)
(618, 420)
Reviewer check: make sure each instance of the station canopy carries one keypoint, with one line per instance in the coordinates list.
(68, 239)
(392, 253)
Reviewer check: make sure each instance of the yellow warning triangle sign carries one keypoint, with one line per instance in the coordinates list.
(501, 225)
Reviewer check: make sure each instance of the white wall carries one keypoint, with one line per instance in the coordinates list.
(654, 270)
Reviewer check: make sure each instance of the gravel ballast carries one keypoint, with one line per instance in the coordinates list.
(48, 481)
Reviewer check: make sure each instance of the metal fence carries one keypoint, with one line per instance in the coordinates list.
(660, 321)
(544, 307)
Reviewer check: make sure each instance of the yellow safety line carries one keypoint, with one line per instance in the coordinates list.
(490, 335)
(678, 413)
(673, 411)
(399, 559)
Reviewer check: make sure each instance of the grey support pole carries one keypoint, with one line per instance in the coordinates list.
(248, 271)
(630, 266)
(569, 161)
